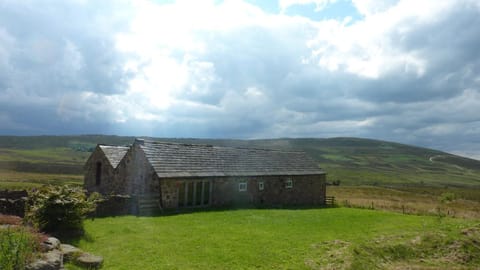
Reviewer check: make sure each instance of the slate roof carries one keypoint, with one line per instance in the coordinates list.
(114, 154)
(191, 160)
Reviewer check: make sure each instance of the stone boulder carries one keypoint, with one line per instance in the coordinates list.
(69, 252)
(88, 261)
(50, 244)
(51, 260)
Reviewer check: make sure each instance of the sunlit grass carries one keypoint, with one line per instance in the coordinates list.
(244, 239)
(25, 180)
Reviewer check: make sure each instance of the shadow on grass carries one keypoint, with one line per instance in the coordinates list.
(72, 237)
(234, 207)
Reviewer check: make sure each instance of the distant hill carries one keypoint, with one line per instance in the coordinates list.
(352, 161)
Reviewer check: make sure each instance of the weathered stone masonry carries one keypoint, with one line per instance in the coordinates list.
(186, 175)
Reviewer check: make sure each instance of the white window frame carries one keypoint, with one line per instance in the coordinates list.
(261, 185)
(289, 183)
(242, 186)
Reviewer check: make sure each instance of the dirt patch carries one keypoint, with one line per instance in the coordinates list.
(332, 255)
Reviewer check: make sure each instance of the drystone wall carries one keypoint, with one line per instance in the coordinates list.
(12, 202)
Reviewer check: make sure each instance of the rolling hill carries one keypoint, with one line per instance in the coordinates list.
(351, 161)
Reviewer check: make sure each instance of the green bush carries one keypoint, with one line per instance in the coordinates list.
(59, 208)
(17, 248)
(447, 197)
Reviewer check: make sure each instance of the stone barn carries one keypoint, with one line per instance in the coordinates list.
(180, 175)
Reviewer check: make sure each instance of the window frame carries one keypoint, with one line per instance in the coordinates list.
(261, 185)
(242, 186)
(289, 183)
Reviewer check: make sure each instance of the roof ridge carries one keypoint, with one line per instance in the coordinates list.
(111, 145)
(218, 146)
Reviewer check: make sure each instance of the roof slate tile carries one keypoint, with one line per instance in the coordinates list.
(191, 160)
(114, 154)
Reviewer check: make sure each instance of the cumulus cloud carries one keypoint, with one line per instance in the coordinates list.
(319, 4)
(405, 71)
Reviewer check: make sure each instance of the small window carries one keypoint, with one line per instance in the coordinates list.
(98, 174)
(242, 186)
(289, 183)
(261, 186)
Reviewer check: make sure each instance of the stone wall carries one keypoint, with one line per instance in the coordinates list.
(112, 180)
(116, 205)
(169, 189)
(12, 202)
(305, 190)
(140, 174)
(13, 194)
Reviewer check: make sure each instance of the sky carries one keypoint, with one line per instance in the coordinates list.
(406, 71)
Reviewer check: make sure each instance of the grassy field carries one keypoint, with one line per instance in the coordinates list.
(431, 185)
(452, 202)
(335, 238)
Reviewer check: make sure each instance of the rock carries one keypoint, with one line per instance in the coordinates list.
(50, 244)
(51, 260)
(69, 252)
(88, 261)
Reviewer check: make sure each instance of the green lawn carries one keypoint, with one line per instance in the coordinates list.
(260, 239)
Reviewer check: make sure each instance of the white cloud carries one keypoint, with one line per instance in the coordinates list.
(319, 4)
(370, 7)
(369, 48)
(406, 71)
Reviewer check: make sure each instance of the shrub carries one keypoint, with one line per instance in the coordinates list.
(59, 208)
(17, 248)
(447, 197)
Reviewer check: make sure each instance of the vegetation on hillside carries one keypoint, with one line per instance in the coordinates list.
(441, 202)
(348, 161)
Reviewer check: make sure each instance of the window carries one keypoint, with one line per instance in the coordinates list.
(193, 193)
(261, 186)
(98, 174)
(242, 186)
(289, 183)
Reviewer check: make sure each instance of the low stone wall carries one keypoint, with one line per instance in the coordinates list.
(12, 202)
(13, 207)
(13, 194)
(116, 205)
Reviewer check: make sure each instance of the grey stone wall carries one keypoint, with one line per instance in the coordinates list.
(12, 202)
(306, 190)
(116, 205)
(112, 180)
(140, 174)
(133, 175)
(169, 190)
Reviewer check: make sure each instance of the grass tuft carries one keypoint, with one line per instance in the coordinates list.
(17, 248)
